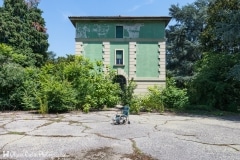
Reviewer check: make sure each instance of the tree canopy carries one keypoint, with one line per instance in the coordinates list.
(222, 33)
(22, 27)
(183, 38)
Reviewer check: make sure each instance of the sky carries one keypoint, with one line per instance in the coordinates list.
(61, 31)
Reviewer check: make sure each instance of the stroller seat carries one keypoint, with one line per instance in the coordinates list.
(125, 110)
(125, 113)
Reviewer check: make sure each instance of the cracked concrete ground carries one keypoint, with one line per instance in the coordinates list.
(92, 136)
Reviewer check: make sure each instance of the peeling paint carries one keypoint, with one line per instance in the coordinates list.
(107, 30)
(82, 31)
(101, 30)
(133, 30)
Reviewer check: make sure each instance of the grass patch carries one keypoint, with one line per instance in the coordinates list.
(137, 154)
(16, 133)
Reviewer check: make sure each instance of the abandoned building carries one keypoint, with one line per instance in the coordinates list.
(133, 46)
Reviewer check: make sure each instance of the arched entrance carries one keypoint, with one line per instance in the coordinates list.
(121, 80)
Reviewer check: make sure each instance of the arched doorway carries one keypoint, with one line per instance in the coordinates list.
(121, 80)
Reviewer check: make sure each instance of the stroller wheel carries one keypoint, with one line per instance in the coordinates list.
(128, 122)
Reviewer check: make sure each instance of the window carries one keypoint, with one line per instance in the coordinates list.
(119, 31)
(119, 57)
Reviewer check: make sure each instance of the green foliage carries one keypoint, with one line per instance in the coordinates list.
(153, 101)
(86, 107)
(77, 72)
(102, 90)
(136, 104)
(23, 28)
(222, 30)
(11, 80)
(157, 99)
(183, 45)
(11, 77)
(67, 84)
(127, 92)
(174, 97)
(9, 54)
(31, 86)
(234, 72)
(59, 94)
(212, 85)
(93, 87)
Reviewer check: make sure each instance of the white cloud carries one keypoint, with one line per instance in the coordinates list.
(136, 7)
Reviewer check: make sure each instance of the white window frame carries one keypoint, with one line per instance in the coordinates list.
(115, 57)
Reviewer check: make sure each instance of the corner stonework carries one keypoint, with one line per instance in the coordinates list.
(162, 60)
(106, 55)
(79, 48)
(132, 59)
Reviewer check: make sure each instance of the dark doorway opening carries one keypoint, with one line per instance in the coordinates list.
(121, 80)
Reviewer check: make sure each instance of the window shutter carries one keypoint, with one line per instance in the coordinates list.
(119, 31)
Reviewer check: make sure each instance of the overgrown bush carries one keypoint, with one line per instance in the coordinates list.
(69, 84)
(59, 95)
(11, 77)
(127, 92)
(47, 92)
(153, 101)
(157, 99)
(94, 88)
(215, 83)
(173, 97)
(31, 86)
(11, 81)
(136, 104)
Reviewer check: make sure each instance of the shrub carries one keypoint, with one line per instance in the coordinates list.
(216, 82)
(60, 95)
(127, 92)
(173, 97)
(153, 100)
(136, 104)
(31, 85)
(46, 92)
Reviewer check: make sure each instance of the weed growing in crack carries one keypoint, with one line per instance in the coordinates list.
(17, 133)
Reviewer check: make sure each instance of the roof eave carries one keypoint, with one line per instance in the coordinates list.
(75, 19)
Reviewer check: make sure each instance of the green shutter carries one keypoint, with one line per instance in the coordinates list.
(119, 31)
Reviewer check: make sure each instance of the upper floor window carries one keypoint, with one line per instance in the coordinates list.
(119, 57)
(119, 31)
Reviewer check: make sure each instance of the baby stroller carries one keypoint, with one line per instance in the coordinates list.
(122, 118)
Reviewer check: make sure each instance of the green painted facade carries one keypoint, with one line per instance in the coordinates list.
(131, 30)
(147, 57)
(142, 40)
(93, 50)
(147, 60)
(119, 46)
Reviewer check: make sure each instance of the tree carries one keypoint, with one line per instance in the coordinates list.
(222, 32)
(183, 39)
(22, 26)
(216, 83)
(213, 86)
